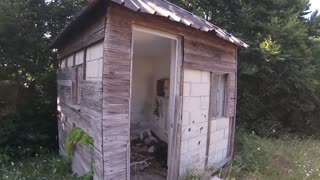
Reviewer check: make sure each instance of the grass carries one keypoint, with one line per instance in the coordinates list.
(267, 158)
(256, 158)
(41, 167)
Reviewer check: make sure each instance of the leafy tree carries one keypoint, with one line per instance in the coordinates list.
(278, 73)
(27, 29)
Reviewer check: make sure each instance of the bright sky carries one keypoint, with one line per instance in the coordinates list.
(315, 4)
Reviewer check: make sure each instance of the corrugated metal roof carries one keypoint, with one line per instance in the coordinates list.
(178, 14)
(154, 7)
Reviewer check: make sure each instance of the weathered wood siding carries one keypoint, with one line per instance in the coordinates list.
(83, 38)
(84, 48)
(87, 117)
(202, 51)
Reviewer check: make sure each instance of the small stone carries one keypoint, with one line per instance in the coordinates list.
(151, 149)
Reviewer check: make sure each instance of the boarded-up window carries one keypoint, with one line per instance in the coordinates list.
(219, 87)
(94, 62)
(78, 83)
(79, 68)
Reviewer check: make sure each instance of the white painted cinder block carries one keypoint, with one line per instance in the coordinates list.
(185, 118)
(194, 130)
(197, 143)
(204, 102)
(205, 77)
(191, 103)
(95, 51)
(186, 89)
(192, 75)
(195, 125)
(184, 146)
(198, 116)
(200, 89)
(191, 158)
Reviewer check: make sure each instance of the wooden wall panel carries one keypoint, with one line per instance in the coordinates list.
(116, 94)
(89, 35)
(88, 117)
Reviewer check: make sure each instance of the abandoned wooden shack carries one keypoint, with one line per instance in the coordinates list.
(152, 84)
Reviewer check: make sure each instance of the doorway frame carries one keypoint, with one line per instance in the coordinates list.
(175, 100)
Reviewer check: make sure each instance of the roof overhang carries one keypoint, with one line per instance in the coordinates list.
(155, 7)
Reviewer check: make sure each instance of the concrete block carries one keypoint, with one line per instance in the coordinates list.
(205, 102)
(186, 89)
(185, 118)
(205, 76)
(198, 165)
(184, 146)
(199, 116)
(192, 158)
(200, 89)
(192, 75)
(191, 103)
(194, 130)
(197, 143)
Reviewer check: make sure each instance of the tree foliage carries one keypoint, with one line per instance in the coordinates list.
(279, 73)
(28, 67)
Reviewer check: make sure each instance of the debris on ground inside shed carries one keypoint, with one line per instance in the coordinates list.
(148, 156)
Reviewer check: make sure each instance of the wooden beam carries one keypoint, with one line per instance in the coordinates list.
(209, 119)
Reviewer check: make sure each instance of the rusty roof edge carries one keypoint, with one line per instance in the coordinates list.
(240, 43)
(93, 4)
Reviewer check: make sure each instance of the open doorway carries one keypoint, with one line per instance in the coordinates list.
(153, 88)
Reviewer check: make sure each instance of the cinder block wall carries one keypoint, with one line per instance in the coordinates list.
(194, 120)
(196, 95)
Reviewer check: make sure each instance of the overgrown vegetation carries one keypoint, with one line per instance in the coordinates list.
(75, 137)
(40, 167)
(278, 86)
(268, 158)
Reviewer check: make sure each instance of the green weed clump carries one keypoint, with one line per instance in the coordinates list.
(77, 136)
(269, 158)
